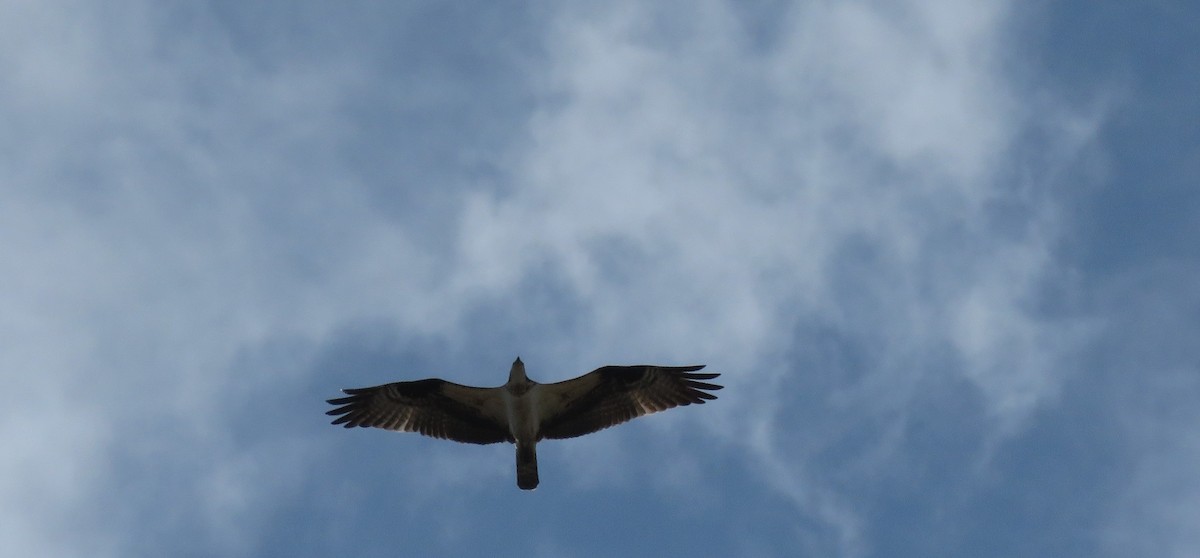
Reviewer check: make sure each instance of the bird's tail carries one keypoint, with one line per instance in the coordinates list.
(527, 475)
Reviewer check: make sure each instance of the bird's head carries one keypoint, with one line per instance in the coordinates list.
(517, 374)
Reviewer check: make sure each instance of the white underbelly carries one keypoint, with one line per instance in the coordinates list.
(523, 414)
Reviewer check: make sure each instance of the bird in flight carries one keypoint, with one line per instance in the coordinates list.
(522, 411)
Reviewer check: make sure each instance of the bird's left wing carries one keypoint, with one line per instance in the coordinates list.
(611, 395)
(431, 407)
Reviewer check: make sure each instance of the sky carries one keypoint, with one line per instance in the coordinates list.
(943, 255)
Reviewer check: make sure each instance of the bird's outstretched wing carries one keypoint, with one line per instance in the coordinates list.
(431, 407)
(611, 395)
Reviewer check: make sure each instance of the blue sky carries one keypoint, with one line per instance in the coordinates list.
(943, 254)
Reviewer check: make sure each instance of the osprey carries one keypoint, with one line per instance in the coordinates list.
(523, 411)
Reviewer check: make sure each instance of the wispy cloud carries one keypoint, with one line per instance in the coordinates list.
(1150, 327)
(708, 195)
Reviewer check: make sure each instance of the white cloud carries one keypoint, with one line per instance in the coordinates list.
(849, 176)
(141, 257)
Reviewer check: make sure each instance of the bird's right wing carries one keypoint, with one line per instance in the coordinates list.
(431, 407)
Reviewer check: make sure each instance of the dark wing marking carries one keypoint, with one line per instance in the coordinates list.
(611, 395)
(431, 407)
